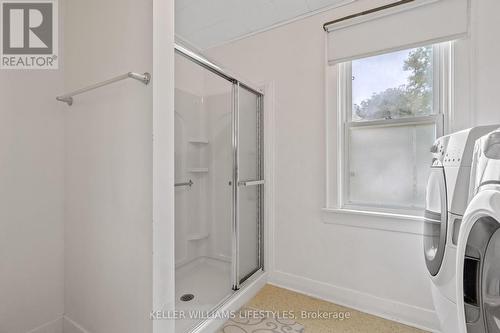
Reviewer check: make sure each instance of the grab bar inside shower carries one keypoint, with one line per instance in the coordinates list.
(189, 183)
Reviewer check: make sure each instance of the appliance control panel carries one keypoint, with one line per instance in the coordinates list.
(455, 150)
(460, 147)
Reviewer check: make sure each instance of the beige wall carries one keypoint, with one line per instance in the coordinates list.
(108, 234)
(382, 272)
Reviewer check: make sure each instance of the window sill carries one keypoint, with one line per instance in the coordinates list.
(374, 220)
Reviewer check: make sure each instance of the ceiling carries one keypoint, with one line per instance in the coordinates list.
(208, 23)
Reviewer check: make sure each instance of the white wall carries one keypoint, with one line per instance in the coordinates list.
(485, 67)
(109, 166)
(163, 163)
(378, 271)
(31, 200)
(76, 184)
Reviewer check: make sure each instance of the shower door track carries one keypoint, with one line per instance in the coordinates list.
(207, 64)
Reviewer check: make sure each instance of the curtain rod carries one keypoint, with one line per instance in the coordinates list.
(366, 12)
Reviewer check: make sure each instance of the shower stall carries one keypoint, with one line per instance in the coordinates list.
(219, 186)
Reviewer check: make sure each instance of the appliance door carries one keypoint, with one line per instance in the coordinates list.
(491, 284)
(435, 220)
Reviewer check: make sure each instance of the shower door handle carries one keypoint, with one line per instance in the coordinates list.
(251, 182)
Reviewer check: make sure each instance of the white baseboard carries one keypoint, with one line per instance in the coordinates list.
(70, 326)
(400, 312)
(407, 314)
(54, 326)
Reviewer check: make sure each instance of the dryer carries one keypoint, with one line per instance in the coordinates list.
(478, 251)
(446, 200)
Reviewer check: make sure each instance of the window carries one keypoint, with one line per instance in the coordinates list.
(391, 110)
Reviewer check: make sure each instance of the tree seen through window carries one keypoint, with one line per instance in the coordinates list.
(400, 84)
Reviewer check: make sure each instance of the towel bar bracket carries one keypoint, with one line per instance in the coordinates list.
(67, 100)
(144, 78)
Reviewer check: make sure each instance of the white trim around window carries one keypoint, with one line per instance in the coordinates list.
(338, 102)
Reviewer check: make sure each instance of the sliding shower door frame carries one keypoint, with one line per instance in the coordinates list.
(211, 66)
(237, 85)
(235, 270)
(237, 183)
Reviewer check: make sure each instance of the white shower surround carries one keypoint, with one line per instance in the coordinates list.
(203, 154)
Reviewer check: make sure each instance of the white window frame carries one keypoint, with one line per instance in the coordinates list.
(442, 92)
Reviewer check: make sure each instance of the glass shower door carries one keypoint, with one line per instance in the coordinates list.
(203, 205)
(219, 186)
(250, 183)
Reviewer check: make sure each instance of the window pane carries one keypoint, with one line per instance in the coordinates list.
(389, 165)
(393, 85)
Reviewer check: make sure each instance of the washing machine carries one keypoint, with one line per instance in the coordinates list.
(478, 251)
(446, 201)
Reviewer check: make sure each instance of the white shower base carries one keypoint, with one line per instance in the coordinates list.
(208, 279)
